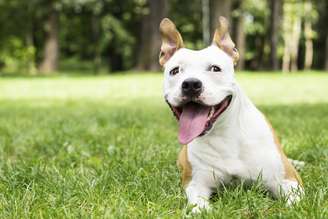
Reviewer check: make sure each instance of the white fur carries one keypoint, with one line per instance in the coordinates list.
(240, 143)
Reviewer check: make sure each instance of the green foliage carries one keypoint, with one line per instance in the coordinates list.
(188, 19)
(256, 25)
(105, 147)
(18, 57)
(18, 21)
(107, 32)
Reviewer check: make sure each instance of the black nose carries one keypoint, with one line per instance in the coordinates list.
(191, 87)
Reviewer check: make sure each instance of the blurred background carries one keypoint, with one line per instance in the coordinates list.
(104, 36)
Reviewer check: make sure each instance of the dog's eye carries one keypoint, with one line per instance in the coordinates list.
(174, 71)
(215, 68)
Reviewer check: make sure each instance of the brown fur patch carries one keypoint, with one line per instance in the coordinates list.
(223, 40)
(290, 171)
(184, 165)
(171, 40)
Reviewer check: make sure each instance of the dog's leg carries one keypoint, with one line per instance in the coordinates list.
(197, 185)
(290, 186)
(198, 195)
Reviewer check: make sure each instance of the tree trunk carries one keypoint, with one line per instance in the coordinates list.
(240, 35)
(219, 8)
(29, 41)
(286, 59)
(206, 22)
(51, 48)
(326, 55)
(275, 22)
(96, 48)
(292, 38)
(150, 36)
(308, 36)
(295, 43)
(240, 41)
(308, 46)
(30, 65)
(291, 34)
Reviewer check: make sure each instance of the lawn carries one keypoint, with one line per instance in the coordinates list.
(106, 146)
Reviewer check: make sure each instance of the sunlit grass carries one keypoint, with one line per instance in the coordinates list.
(267, 88)
(106, 146)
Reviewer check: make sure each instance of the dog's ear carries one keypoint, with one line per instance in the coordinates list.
(171, 40)
(223, 40)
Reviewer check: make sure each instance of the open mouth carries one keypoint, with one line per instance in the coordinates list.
(196, 119)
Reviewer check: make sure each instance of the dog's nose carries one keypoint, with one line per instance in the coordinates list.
(191, 87)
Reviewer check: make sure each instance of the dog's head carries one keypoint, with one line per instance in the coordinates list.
(198, 85)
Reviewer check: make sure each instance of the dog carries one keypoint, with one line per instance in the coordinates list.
(224, 135)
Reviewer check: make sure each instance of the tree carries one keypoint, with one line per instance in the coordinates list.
(326, 53)
(256, 22)
(324, 16)
(219, 8)
(150, 36)
(51, 47)
(206, 22)
(240, 34)
(275, 22)
(308, 33)
(121, 35)
(291, 34)
(17, 35)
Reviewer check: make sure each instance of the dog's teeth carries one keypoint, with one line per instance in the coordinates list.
(211, 112)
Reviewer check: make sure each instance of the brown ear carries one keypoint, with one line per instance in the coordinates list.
(171, 40)
(223, 40)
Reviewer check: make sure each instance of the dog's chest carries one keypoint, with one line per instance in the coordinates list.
(225, 156)
(221, 156)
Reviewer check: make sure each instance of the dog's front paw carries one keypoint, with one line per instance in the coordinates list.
(294, 196)
(200, 207)
(292, 191)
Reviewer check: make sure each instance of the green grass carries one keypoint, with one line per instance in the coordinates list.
(106, 146)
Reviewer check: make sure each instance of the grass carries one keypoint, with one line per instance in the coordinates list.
(106, 147)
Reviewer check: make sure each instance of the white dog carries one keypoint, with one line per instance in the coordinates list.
(224, 135)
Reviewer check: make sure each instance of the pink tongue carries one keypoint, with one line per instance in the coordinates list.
(192, 121)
